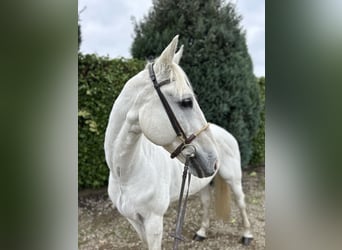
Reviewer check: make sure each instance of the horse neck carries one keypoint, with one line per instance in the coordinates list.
(123, 131)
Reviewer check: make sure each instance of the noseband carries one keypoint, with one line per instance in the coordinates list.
(172, 117)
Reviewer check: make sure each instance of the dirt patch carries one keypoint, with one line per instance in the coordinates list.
(102, 228)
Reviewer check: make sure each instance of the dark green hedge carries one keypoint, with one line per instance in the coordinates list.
(100, 81)
(258, 157)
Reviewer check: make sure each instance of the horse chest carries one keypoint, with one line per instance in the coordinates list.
(143, 194)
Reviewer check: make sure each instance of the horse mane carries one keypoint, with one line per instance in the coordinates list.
(176, 75)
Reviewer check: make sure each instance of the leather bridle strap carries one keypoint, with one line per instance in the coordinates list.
(171, 115)
(175, 124)
(185, 143)
(188, 140)
(182, 205)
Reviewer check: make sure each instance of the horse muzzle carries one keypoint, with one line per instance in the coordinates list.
(201, 168)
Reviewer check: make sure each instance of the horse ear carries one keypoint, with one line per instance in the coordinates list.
(167, 55)
(178, 55)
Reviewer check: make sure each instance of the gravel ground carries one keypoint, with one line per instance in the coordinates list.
(101, 227)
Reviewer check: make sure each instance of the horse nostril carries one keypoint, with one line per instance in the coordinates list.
(215, 166)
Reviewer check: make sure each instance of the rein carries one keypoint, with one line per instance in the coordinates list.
(182, 205)
(185, 143)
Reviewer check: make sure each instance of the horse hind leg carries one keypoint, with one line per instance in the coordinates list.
(231, 174)
(240, 200)
(205, 200)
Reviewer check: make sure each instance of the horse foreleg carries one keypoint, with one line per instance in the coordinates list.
(154, 231)
(139, 227)
(112, 190)
(205, 200)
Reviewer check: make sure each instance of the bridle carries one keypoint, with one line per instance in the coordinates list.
(172, 117)
(186, 143)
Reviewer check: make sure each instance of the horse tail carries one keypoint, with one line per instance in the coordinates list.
(222, 198)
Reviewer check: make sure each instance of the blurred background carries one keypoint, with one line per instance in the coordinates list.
(39, 123)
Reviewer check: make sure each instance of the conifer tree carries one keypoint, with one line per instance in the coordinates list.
(215, 58)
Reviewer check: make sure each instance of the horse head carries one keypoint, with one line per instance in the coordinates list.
(171, 117)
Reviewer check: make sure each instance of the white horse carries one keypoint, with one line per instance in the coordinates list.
(143, 180)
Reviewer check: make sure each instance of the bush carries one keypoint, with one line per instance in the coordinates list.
(100, 81)
(216, 59)
(258, 157)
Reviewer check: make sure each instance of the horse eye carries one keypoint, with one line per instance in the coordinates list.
(186, 103)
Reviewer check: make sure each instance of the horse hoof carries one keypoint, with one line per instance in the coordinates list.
(246, 240)
(198, 237)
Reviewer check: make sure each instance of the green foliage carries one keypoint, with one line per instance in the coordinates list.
(258, 157)
(215, 58)
(100, 81)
